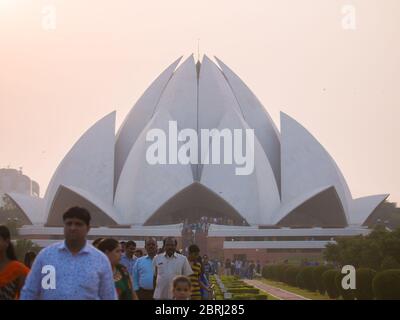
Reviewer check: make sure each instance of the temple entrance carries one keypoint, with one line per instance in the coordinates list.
(196, 207)
(196, 204)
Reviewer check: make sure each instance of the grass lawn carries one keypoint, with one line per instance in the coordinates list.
(301, 292)
(271, 297)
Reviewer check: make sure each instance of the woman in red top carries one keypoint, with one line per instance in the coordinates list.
(12, 272)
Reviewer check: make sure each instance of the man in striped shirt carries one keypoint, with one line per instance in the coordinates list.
(195, 277)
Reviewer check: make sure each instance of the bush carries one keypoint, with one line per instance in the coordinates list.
(244, 290)
(328, 279)
(300, 279)
(364, 277)
(250, 297)
(347, 294)
(280, 272)
(267, 272)
(386, 285)
(291, 274)
(309, 279)
(317, 276)
(275, 272)
(390, 263)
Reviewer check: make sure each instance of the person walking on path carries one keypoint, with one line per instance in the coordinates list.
(166, 266)
(72, 269)
(143, 272)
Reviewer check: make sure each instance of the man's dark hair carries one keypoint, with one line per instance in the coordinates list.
(193, 248)
(78, 213)
(170, 238)
(150, 239)
(130, 243)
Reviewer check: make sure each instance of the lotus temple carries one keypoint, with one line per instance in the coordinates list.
(294, 202)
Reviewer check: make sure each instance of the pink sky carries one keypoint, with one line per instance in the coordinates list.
(342, 85)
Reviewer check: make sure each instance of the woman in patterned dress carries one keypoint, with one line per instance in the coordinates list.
(122, 280)
(12, 272)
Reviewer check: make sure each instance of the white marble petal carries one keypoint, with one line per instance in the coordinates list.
(306, 165)
(362, 208)
(138, 117)
(144, 187)
(32, 207)
(89, 165)
(255, 196)
(257, 118)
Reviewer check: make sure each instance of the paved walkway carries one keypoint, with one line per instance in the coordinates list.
(274, 291)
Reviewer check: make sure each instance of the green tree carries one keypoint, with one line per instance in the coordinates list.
(365, 251)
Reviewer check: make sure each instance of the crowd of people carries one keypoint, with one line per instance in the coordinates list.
(202, 224)
(242, 268)
(106, 269)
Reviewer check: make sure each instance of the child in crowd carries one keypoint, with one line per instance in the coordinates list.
(181, 288)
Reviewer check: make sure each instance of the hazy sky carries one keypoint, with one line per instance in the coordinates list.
(342, 85)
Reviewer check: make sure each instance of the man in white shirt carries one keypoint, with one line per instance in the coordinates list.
(168, 265)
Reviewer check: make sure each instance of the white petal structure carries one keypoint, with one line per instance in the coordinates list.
(319, 208)
(180, 98)
(89, 165)
(102, 213)
(363, 207)
(306, 165)
(31, 207)
(290, 206)
(138, 117)
(257, 118)
(255, 196)
(143, 187)
(294, 181)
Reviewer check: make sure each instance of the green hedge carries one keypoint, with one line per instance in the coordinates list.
(280, 272)
(291, 274)
(386, 285)
(250, 297)
(317, 276)
(328, 278)
(369, 284)
(238, 288)
(266, 272)
(244, 290)
(364, 278)
(300, 279)
(309, 279)
(347, 294)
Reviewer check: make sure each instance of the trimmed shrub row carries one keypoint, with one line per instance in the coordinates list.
(326, 280)
(239, 289)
